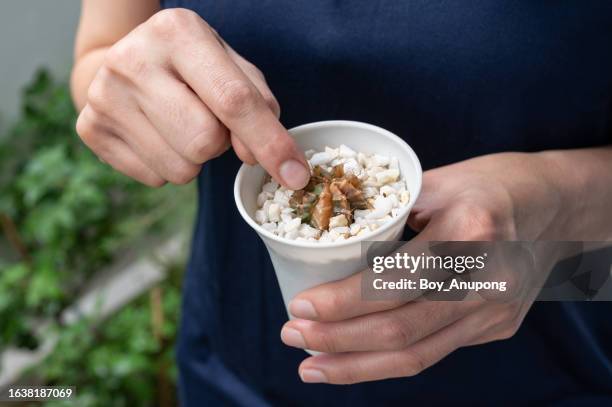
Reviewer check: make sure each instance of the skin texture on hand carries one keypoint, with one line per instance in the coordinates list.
(506, 196)
(171, 95)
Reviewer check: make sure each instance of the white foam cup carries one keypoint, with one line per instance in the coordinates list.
(300, 265)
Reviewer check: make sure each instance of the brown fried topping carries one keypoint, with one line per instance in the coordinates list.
(328, 193)
(323, 209)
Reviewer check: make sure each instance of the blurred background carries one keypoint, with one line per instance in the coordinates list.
(90, 262)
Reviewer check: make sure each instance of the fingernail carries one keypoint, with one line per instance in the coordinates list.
(302, 309)
(294, 174)
(293, 337)
(313, 376)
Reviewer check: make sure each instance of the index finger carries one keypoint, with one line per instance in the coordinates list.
(205, 65)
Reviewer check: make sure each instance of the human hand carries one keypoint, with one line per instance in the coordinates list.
(497, 197)
(172, 95)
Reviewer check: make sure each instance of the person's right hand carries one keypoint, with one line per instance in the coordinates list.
(172, 95)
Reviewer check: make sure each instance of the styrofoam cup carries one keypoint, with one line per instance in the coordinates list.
(300, 265)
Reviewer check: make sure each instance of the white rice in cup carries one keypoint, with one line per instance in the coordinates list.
(365, 191)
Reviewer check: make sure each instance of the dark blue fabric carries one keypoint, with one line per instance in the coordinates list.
(455, 79)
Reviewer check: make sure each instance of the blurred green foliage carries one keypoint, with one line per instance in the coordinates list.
(64, 215)
(120, 362)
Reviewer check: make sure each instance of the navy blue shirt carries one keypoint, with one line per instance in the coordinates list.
(455, 79)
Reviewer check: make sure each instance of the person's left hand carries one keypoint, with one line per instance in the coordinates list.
(497, 197)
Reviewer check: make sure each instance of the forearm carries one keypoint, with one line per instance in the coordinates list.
(582, 181)
(102, 24)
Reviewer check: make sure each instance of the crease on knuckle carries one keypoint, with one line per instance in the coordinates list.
(396, 333)
(326, 341)
(99, 92)
(507, 332)
(206, 144)
(271, 102)
(511, 311)
(171, 22)
(236, 98)
(410, 364)
(126, 58)
(85, 128)
(478, 223)
(88, 127)
(154, 181)
(157, 183)
(506, 321)
(349, 377)
(183, 174)
(250, 67)
(508, 326)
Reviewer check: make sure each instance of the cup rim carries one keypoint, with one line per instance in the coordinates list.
(342, 243)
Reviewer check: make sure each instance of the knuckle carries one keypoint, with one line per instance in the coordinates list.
(327, 341)
(252, 69)
(508, 331)
(219, 145)
(478, 222)
(119, 52)
(127, 58)
(249, 67)
(410, 364)
(506, 320)
(200, 148)
(257, 71)
(236, 98)
(99, 92)
(84, 127)
(247, 158)
(154, 181)
(88, 128)
(395, 334)
(206, 144)
(349, 377)
(170, 22)
(512, 311)
(183, 174)
(271, 102)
